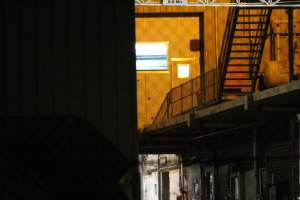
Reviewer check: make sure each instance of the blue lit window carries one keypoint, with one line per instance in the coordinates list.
(151, 56)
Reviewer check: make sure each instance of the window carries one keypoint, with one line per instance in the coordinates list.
(151, 56)
(183, 71)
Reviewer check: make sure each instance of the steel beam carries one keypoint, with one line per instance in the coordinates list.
(236, 3)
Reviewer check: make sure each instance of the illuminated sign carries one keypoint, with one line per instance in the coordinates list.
(172, 2)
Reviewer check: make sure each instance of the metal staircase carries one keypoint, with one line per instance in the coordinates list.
(238, 67)
(242, 50)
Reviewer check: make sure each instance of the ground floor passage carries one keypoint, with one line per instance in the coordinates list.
(163, 179)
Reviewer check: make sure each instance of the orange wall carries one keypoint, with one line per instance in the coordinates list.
(214, 23)
(281, 15)
(152, 86)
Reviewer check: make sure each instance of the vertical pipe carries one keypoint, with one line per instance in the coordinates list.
(158, 178)
(202, 44)
(202, 55)
(192, 92)
(293, 167)
(255, 167)
(278, 45)
(298, 151)
(203, 181)
(291, 43)
(168, 105)
(181, 98)
(141, 176)
(181, 173)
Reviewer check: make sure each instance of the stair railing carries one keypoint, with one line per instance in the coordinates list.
(199, 92)
(164, 110)
(257, 50)
(254, 48)
(226, 46)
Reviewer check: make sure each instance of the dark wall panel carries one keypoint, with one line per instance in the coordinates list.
(77, 54)
(92, 60)
(45, 56)
(71, 57)
(108, 84)
(61, 54)
(124, 90)
(12, 55)
(3, 101)
(28, 58)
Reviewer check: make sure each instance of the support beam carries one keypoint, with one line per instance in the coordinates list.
(291, 42)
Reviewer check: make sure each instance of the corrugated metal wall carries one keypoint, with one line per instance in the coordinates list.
(71, 56)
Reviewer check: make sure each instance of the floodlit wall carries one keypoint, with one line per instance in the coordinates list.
(152, 87)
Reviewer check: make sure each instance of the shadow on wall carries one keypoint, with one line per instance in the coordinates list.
(57, 157)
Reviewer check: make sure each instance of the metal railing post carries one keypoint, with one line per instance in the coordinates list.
(192, 92)
(168, 105)
(181, 99)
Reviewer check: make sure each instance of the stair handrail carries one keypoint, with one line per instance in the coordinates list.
(261, 35)
(211, 82)
(259, 30)
(226, 46)
(167, 112)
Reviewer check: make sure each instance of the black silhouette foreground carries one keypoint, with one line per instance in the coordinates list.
(61, 157)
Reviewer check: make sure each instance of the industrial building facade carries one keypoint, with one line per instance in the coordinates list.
(233, 121)
(207, 95)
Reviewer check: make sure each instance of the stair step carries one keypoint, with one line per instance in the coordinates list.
(246, 44)
(247, 37)
(251, 29)
(239, 65)
(236, 93)
(250, 22)
(232, 90)
(238, 79)
(243, 51)
(254, 15)
(238, 72)
(237, 86)
(243, 58)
